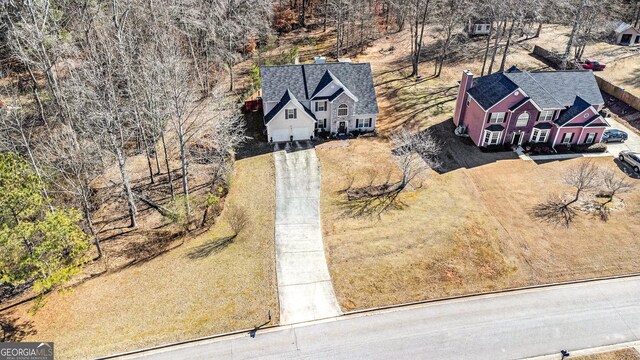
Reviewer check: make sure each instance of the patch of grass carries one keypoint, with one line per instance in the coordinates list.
(206, 286)
(625, 354)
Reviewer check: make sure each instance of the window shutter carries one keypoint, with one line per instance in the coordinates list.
(370, 122)
(325, 123)
(357, 123)
(316, 106)
(295, 113)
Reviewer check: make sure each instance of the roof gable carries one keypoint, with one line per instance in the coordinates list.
(304, 80)
(579, 106)
(287, 98)
(489, 90)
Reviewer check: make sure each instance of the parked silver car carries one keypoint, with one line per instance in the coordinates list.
(631, 158)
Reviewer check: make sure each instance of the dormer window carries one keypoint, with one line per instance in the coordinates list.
(290, 114)
(343, 110)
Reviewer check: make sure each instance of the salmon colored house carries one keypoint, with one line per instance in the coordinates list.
(519, 107)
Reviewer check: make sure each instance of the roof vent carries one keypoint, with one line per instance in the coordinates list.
(319, 60)
(344, 60)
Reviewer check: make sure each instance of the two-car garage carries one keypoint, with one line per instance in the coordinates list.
(289, 120)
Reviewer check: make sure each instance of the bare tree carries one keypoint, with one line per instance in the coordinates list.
(449, 15)
(419, 15)
(414, 153)
(582, 178)
(614, 183)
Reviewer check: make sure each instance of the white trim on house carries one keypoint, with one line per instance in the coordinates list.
(538, 134)
(340, 85)
(553, 114)
(490, 133)
(502, 120)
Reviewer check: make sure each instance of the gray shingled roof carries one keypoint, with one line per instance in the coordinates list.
(541, 96)
(284, 100)
(548, 89)
(303, 80)
(566, 115)
(565, 86)
(488, 90)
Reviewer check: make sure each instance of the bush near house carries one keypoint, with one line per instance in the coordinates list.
(589, 148)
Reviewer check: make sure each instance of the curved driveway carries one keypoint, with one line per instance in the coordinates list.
(304, 285)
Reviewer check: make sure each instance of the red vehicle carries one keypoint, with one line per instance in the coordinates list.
(593, 65)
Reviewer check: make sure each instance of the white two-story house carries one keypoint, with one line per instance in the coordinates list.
(301, 100)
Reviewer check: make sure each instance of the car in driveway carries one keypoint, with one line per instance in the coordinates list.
(631, 158)
(593, 65)
(614, 135)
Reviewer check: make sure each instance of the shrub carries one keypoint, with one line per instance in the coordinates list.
(589, 148)
(284, 19)
(237, 218)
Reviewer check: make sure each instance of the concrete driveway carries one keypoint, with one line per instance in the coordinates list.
(632, 143)
(304, 284)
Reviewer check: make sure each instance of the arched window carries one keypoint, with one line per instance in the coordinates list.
(523, 119)
(343, 110)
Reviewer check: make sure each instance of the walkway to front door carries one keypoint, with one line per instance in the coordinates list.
(304, 284)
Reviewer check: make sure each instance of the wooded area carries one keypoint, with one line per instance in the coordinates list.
(85, 86)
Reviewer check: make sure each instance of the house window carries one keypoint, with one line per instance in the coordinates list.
(523, 119)
(590, 138)
(321, 124)
(478, 27)
(362, 123)
(546, 115)
(343, 110)
(492, 137)
(321, 106)
(539, 136)
(497, 118)
(468, 102)
(567, 137)
(290, 113)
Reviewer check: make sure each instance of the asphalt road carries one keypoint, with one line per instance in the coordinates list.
(507, 326)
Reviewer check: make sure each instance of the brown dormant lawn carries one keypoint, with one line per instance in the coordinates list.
(463, 231)
(201, 288)
(625, 354)
(467, 229)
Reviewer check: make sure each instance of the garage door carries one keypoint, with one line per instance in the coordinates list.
(301, 133)
(279, 135)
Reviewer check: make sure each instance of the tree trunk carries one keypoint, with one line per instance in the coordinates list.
(36, 96)
(495, 47)
(324, 22)
(166, 162)
(185, 182)
(486, 48)
(87, 217)
(415, 59)
(230, 76)
(576, 24)
(538, 30)
(125, 180)
(506, 47)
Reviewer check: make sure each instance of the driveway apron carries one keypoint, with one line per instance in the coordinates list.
(304, 284)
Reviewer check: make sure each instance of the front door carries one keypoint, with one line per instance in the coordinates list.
(516, 138)
(342, 127)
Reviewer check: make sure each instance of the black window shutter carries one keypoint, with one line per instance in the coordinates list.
(357, 122)
(295, 113)
(316, 106)
(325, 123)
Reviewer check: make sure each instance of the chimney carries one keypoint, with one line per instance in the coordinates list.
(319, 60)
(344, 60)
(465, 84)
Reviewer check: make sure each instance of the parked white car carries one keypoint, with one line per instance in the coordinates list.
(631, 158)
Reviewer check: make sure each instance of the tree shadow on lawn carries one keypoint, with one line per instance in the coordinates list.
(12, 330)
(460, 152)
(210, 247)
